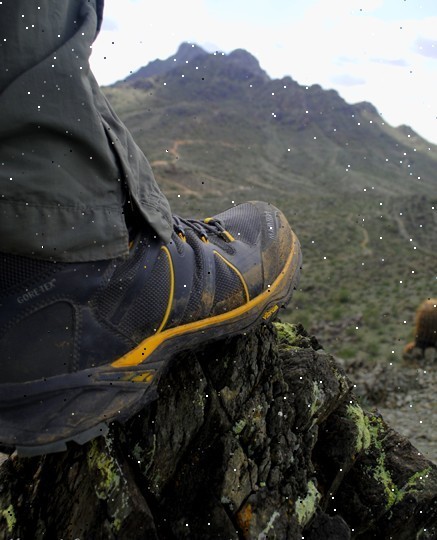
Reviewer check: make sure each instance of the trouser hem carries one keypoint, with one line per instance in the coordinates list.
(62, 233)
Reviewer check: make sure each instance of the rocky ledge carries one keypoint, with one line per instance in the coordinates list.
(256, 437)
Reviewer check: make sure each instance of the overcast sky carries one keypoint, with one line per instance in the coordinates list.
(382, 51)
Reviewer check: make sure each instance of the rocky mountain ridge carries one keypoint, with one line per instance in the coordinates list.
(229, 98)
(187, 53)
(360, 194)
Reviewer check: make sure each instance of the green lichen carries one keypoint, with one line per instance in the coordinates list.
(110, 485)
(383, 477)
(412, 482)
(377, 429)
(370, 431)
(342, 380)
(106, 470)
(379, 471)
(305, 508)
(393, 493)
(287, 334)
(116, 524)
(10, 518)
(239, 426)
(316, 401)
(356, 414)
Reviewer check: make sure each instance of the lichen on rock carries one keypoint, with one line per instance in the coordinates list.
(258, 436)
(9, 516)
(104, 467)
(306, 507)
(361, 422)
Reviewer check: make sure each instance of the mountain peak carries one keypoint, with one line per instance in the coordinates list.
(239, 60)
(248, 62)
(185, 53)
(188, 51)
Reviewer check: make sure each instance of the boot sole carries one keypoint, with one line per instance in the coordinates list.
(41, 417)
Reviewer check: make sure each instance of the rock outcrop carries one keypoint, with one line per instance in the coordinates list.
(257, 437)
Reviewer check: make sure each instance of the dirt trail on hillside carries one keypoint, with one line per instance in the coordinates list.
(173, 150)
(407, 236)
(364, 244)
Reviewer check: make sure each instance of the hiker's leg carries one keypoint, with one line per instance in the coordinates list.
(82, 342)
(68, 166)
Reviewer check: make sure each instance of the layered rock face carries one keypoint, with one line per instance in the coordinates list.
(257, 437)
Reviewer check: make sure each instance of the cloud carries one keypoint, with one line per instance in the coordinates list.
(400, 62)
(346, 60)
(426, 47)
(345, 79)
(109, 24)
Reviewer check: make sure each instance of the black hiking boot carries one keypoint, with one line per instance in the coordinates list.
(81, 343)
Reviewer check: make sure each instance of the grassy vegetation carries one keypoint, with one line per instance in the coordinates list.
(360, 194)
(361, 298)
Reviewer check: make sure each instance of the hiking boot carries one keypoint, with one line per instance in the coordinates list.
(81, 343)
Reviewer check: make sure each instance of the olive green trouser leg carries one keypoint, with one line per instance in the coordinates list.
(67, 163)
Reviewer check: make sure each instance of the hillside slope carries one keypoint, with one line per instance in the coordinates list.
(361, 194)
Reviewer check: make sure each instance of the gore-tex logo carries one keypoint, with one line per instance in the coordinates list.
(271, 229)
(37, 291)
